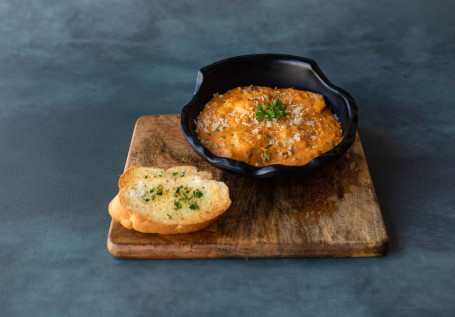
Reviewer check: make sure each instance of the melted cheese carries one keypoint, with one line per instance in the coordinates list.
(228, 127)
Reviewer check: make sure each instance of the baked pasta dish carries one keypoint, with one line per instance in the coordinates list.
(263, 126)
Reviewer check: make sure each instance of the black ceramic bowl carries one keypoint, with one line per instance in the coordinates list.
(272, 70)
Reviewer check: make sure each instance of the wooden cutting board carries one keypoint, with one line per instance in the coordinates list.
(334, 212)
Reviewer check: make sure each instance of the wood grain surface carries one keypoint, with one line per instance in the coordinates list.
(333, 212)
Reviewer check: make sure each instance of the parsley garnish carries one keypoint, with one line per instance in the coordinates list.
(159, 190)
(175, 173)
(177, 191)
(197, 193)
(186, 196)
(194, 206)
(266, 155)
(271, 111)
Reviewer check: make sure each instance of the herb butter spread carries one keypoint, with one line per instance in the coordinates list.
(263, 126)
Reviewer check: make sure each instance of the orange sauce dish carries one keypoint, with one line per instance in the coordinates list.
(263, 126)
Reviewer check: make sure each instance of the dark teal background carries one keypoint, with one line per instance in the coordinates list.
(75, 76)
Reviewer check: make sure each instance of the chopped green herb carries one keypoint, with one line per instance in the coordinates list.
(194, 206)
(147, 200)
(197, 193)
(146, 176)
(175, 173)
(177, 191)
(267, 157)
(269, 145)
(169, 216)
(177, 205)
(271, 111)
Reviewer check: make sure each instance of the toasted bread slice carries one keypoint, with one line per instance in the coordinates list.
(137, 173)
(168, 206)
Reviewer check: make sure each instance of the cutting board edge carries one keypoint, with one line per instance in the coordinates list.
(264, 250)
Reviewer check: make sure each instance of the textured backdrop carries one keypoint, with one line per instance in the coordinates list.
(75, 76)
